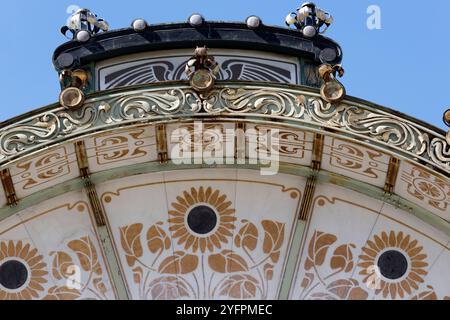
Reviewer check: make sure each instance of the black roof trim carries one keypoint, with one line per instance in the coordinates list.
(182, 35)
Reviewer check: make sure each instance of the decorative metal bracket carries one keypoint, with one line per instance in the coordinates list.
(73, 84)
(447, 122)
(310, 20)
(78, 78)
(332, 90)
(202, 70)
(83, 24)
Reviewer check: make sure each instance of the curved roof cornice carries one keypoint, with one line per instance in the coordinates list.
(183, 35)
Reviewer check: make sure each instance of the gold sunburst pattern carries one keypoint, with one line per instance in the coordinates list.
(405, 246)
(212, 199)
(204, 267)
(29, 259)
(24, 274)
(392, 265)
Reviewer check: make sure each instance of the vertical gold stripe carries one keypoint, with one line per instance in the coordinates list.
(96, 206)
(8, 187)
(161, 143)
(82, 159)
(240, 143)
(317, 153)
(392, 174)
(308, 196)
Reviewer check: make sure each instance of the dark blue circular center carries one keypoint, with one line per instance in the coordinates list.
(202, 220)
(13, 274)
(393, 264)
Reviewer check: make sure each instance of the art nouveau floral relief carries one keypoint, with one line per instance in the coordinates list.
(393, 265)
(425, 188)
(405, 264)
(203, 226)
(81, 253)
(29, 264)
(355, 161)
(39, 172)
(121, 148)
(74, 273)
(336, 285)
(292, 146)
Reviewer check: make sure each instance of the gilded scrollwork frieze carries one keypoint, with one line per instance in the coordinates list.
(146, 104)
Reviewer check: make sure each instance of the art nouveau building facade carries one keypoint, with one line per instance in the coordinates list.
(95, 203)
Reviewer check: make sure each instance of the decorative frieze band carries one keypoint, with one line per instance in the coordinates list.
(102, 112)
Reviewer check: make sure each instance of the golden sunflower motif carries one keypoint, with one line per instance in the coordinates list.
(396, 261)
(22, 271)
(202, 219)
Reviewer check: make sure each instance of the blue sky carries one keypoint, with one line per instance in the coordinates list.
(404, 66)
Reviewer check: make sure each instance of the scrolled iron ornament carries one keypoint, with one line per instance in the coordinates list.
(262, 101)
(19, 137)
(383, 127)
(439, 151)
(354, 119)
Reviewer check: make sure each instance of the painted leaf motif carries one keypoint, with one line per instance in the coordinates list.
(343, 258)
(86, 253)
(240, 287)
(157, 239)
(426, 295)
(130, 238)
(318, 249)
(137, 275)
(168, 288)
(11, 249)
(62, 265)
(179, 263)
(100, 286)
(62, 293)
(322, 297)
(227, 262)
(307, 280)
(247, 237)
(268, 271)
(347, 289)
(273, 239)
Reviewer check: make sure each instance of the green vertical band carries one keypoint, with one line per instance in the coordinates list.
(113, 264)
(292, 261)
